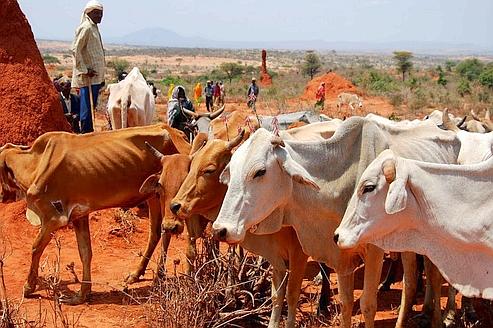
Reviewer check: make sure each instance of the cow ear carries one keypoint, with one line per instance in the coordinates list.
(224, 177)
(179, 140)
(150, 185)
(293, 169)
(396, 196)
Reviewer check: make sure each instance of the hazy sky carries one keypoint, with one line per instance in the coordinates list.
(447, 21)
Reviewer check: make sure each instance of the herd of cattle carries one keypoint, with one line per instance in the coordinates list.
(337, 191)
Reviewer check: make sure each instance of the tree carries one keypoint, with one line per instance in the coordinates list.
(403, 61)
(312, 64)
(119, 65)
(470, 68)
(449, 64)
(463, 87)
(232, 70)
(486, 78)
(441, 79)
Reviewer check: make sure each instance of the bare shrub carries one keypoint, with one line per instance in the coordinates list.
(227, 290)
(125, 220)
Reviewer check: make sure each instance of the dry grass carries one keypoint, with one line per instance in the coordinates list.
(125, 220)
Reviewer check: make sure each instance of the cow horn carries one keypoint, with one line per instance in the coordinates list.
(388, 169)
(461, 121)
(154, 151)
(276, 141)
(487, 120)
(216, 114)
(236, 141)
(474, 115)
(447, 123)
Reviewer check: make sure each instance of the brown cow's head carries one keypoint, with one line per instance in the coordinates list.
(201, 192)
(166, 184)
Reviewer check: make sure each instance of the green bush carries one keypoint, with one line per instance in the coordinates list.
(486, 78)
(120, 66)
(470, 69)
(463, 87)
(49, 59)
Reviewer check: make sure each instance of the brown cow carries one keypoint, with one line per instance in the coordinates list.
(65, 177)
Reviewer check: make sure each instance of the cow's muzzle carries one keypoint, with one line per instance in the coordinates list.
(220, 234)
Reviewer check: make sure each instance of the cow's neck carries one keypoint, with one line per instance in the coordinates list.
(336, 164)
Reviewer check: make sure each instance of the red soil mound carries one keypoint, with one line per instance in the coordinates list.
(29, 104)
(334, 84)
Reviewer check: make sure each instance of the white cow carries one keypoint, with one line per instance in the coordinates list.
(131, 102)
(442, 211)
(349, 99)
(306, 185)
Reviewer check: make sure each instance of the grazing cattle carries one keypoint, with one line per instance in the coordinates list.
(65, 177)
(275, 183)
(202, 193)
(349, 99)
(405, 205)
(285, 120)
(131, 102)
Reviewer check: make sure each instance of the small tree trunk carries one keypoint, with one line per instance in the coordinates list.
(403, 76)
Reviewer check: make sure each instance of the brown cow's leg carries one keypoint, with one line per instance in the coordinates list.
(42, 240)
(81, 227)
(346, 290)
(155, 220)
(279, 282)
(409, 287)
(373, 271)
(297, 266)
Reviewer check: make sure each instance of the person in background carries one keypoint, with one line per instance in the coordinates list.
(252, 93)
(216, 93)
(222, 93)
(209, 92)
(197, 94)
(89, 63)
(180, 110)
(320, 96)
(70, 104)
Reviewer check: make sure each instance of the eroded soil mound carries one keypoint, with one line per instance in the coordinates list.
(29, 104)
(334, 84)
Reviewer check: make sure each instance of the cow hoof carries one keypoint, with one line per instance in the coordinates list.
(450, 320)
(132, 278)
(29, 289)
(76, 299)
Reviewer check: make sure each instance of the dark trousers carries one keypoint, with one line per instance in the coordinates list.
(86, 124)
(208, 103)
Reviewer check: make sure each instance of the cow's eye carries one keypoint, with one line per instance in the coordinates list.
(259, 173)
(210, 170)
(368, 188)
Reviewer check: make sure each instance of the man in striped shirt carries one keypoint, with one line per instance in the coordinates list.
(89, 63)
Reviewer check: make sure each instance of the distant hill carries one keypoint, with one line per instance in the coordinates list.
(160, 37)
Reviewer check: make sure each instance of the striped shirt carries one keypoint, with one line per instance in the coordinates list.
(88, 52)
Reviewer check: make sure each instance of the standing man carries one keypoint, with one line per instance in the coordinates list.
(223, 93)
(252, 93)
(89, 64)
(320, 96)
(209, 92)
(216, 93)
